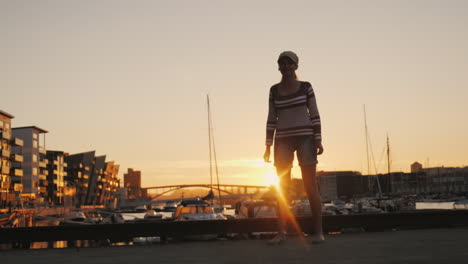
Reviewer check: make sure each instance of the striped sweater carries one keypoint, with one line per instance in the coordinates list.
(293, 115)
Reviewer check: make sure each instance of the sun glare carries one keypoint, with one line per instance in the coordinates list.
(271, 178)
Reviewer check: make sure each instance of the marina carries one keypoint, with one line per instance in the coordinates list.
(117, 233)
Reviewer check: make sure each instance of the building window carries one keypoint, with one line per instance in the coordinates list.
(35, 144)
(7, 125)
(34, 171)
(1, 124)
(34, 158)
(35, 135)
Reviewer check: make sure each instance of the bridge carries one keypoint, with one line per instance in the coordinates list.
(223, 188)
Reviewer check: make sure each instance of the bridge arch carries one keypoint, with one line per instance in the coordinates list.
(182, 187)
(221, 187)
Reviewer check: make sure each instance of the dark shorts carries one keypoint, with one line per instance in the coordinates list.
(305, 149)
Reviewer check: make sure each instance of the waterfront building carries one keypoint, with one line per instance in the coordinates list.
(447, 179)
(34, 178)
(438, 180)
(339, 184)
(57, 172)
(95, 180)
(97, 174)
(79, 173)
(416, 167)
(10, 162)
(132, 181)
(109, 185)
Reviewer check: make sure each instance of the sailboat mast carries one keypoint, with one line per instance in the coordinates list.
(209, 141)
(388, 165)
(367, 141)
(216, 163)
(367, 152)
(212, 149)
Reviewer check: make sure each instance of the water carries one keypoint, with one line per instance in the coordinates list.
(435, 205)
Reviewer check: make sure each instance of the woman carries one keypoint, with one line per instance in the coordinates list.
(294, 122)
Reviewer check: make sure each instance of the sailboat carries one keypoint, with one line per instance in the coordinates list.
(368, 145)
(204, 208)
(212, 151)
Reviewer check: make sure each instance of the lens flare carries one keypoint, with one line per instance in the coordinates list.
(285, 215)
(271, 178)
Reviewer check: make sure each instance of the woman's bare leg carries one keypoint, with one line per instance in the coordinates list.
(309, 176)
(283, 201)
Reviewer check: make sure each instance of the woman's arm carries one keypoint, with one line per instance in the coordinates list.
(270, 126)
(271, 120)
(315, 118)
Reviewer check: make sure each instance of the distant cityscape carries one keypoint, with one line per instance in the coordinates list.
(436, 182)
(30, 173)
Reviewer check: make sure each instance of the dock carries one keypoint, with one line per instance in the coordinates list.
(168, 228)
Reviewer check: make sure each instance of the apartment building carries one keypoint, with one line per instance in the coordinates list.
(339, 184)
(10, 164)
(57, 173)
(79, 173)
(35, 163)
(95, 179)
(109, 185)
(132, 181)
(97, 174)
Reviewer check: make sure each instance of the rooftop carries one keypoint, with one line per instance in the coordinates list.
(40, 130)
(6, 114)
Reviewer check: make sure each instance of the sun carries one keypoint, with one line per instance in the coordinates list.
(271, 178)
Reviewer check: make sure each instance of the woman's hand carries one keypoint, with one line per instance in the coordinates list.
(266, 156)
(319, 147)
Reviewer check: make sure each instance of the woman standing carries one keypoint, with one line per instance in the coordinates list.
(294, 123)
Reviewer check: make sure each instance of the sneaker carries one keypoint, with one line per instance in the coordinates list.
(317, 239)
(278, 239)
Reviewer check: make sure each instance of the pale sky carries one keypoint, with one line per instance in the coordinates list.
(129, 79)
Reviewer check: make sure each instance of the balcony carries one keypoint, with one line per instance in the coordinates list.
(43, 183)
(5, 135)
(5, 153)
(5, 170)
(18, 187)
(17, 158)
(42, 150)
(17, 142)
(17, 172)
(43, 190)
(42, 177)
(42, 164)
(4, 185)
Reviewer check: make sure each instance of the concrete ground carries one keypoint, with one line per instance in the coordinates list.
(409, 246)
